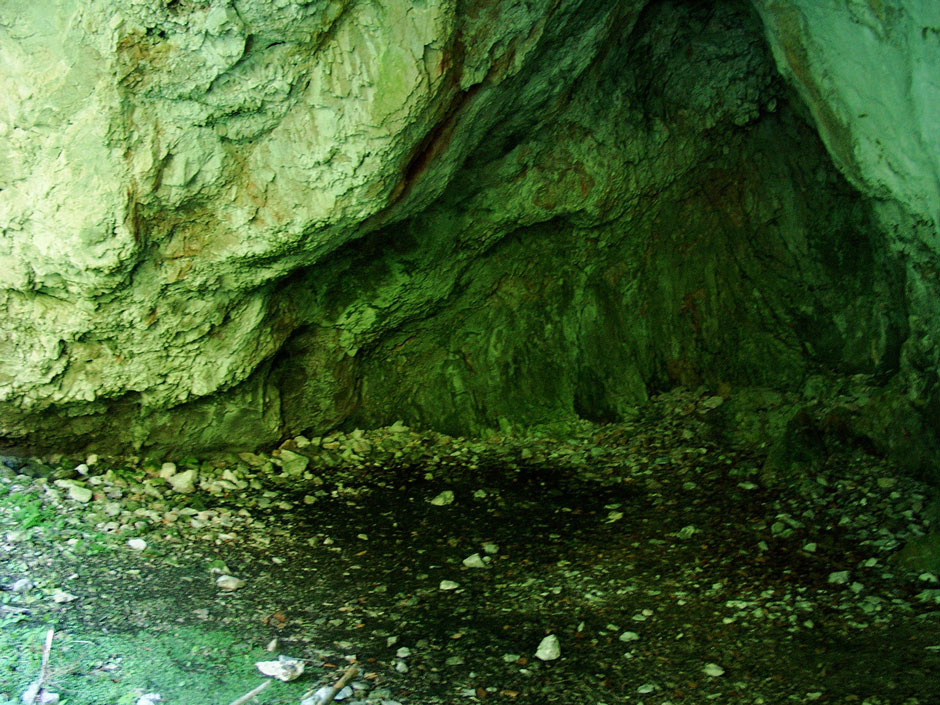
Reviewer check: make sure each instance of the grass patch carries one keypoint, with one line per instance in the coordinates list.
(184, 665)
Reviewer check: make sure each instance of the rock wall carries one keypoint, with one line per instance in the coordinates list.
(223, 222)
(867, 71)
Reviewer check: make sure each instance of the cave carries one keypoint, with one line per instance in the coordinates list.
(577, 263)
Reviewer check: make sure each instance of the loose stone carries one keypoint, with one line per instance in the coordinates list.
(713, 669)
(474, 561)
(549, 649)
(443, 499)
(229, 582)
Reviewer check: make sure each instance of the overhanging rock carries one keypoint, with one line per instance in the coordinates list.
(224, 222)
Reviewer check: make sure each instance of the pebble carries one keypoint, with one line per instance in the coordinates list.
(229, 582)
(474, 561)
(62, 596)
(183, 482)
(839, 577)
(323, 693)
(549, 648)
(293, 463)
(79, 493)
(443, 499)
(449, 585)
(629, 636)
(137, 544)
(713, 669)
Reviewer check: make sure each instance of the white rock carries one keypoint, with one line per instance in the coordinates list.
(183, 482)
(474, 561)
(284, 669)
(712, 402)
(167, 470)
(320, 696)
(61, 596)
(449, 585)
(150, 699)
(292, 463)
(840, 577)
(79, 493)
(443, 499)
(137, 544)
(229, 582)
(549, 648)
(713, 669)
(21, 585)
(629, 636)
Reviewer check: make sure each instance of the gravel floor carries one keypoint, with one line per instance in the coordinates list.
(636, 563)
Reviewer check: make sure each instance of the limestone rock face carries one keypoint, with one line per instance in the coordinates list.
(868, 72)
(222, 222)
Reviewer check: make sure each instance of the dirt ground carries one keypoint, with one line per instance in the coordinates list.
(663, 566)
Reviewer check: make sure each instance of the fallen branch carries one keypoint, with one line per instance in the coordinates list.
(328, 696)
(251, 693)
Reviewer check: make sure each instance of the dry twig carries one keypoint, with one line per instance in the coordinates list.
(338, 686)
(251, 693)
(35, 688)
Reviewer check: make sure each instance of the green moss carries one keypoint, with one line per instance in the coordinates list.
(185, 665)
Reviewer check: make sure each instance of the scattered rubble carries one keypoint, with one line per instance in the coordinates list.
(627, 544)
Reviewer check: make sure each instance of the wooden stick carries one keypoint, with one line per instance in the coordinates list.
(251, 693)
(35, 687)
(46, 649)
(338, 686)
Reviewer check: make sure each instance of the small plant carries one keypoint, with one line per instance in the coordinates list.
(29, 511)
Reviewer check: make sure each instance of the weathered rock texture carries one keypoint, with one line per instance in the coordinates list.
(222, 222)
